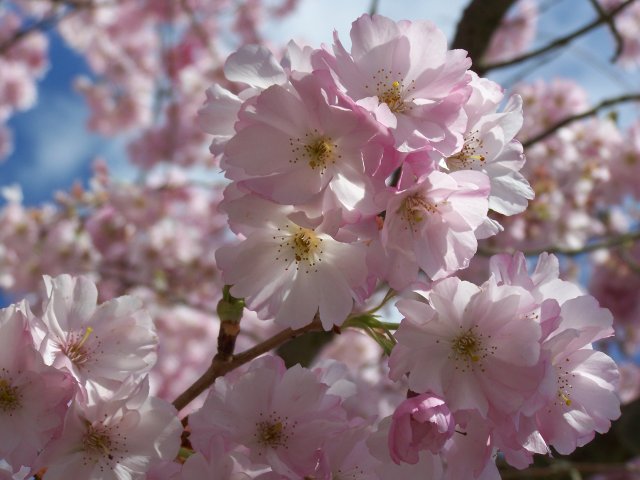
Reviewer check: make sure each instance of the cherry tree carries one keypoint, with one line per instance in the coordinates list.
(366, 259)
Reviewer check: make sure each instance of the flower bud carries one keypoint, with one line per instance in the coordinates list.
(419, 423)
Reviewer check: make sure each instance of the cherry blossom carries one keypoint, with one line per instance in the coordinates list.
(99, 345)
(415, 91)
(118, 436)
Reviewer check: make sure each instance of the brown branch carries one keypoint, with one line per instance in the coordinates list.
(587, 468)
(50, 21)
(631, 97)
(612, 26)
(611, 242)
(479, 21)
(562, 41)
(220, 368)
(41, 25)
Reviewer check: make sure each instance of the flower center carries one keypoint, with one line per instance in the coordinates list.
(271, 434)
(317, 150)
(75, 350)
(302, 246)
(9, 396)
(471, 156)
(320, 153)
(468, 349)
(414, 206)
(96, 440)
(392, 96)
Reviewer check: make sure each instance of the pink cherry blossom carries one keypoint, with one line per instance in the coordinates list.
(119, 436)
(100, 345)
(476, 348)
(33, 397)
(415, 91)
(282, 416)
(431, 225)
(314, 140)
(290, 267)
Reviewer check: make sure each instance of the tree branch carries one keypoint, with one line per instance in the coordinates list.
(608, 17)
(612, 26)
(479, 21)
(220, 367)
(631, 97)
(568, 467)
(611, 242)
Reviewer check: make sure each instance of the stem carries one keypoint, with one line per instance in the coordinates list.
(560, 41)
(220, 367)
(631, 97)
(388, 296)
(373, 9)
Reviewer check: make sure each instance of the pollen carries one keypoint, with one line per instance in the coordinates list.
(316, 150)
(469, 348)
(472, 156)
(395, 93)
(414, 207)
(319, 152)
(273, 431)
(76, 349)
(9, 396)
(301, 246)
(97, 441)
(103, 445)
(564, 385)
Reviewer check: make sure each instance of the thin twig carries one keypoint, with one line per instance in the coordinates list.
(611, 242)
(612, 26)
(631, 97)
(569, 467)
(373, 9)
(219, 367)
(562, 40)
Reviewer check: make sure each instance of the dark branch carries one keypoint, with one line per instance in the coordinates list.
(562, 41)
(612, 26)
(479, 21)
(632, 97)
(220, 367)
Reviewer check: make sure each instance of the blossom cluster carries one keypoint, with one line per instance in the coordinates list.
(74, 389)
(380, 164)
(350, 168)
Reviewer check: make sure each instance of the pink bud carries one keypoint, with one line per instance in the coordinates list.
(419, 423)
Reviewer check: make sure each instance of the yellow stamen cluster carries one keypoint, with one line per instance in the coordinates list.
(469, 348)
(413, 208)
(76, 351)
(9, 397)
(317, 150)
(273, 431)
(472, 156)
(300, 245)
(96, 440)
(390, 90)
